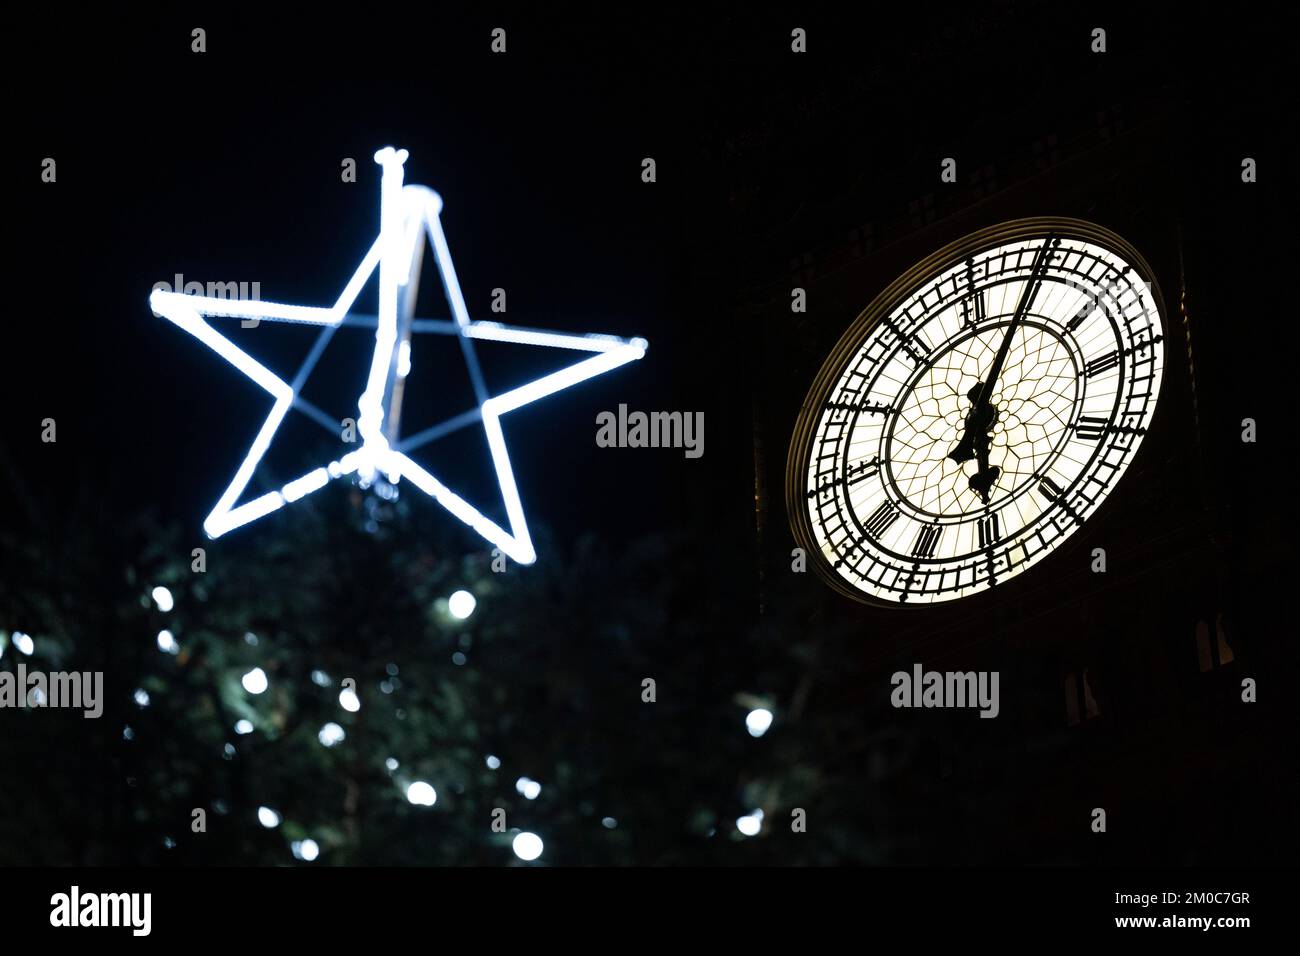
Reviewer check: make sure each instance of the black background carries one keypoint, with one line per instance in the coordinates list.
(225, 166)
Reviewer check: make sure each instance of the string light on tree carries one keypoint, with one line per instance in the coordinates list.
(331, 734)
(751, 823)
(421, 794)
(758, 721)
(527, 846)
(461, 604)
(163, 598)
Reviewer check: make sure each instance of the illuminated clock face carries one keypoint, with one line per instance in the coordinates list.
(976, 415)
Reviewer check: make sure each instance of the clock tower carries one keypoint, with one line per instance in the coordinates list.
(1139, 628)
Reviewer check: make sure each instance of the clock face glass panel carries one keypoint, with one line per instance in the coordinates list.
(925, 483)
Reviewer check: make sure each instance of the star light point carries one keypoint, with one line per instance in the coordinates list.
(408, 214)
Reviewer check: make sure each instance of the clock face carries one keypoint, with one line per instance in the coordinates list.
(978, 413)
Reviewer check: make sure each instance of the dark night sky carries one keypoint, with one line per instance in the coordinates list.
(225, 166)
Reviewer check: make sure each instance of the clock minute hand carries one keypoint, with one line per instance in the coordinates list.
(982, 416)
(1026, 297)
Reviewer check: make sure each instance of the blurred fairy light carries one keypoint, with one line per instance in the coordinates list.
(244, 727)
(391, 763)
(250, 638)
(349, 700)
(141, 697)
(461, 604)
(163, 598)
(268, 817)
(493, 762)
(527, 846)
(609, 823)
(167, 643)
(255, 681)
(24, 643)
(528, 789)
(751, 823)
(306, 850)
(128, 733)
(331, 734)
(320, 678)
(421, 794)
(758, 721)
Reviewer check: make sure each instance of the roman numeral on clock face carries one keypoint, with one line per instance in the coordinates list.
(972, 310)
(881, 519)
(914, 345)
(1091, 427)
(1050, 489)
(863, 469)
(1103, 364)
(989, 531)
(1081, 316)
(927, 541)
(868, 407)
(972, 307)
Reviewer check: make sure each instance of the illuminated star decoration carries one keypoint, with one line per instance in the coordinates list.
(407, 214)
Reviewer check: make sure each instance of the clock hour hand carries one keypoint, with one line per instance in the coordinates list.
(979, 421)
(983, 480)
(975, 443)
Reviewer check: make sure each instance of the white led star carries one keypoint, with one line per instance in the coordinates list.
(407, 213)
